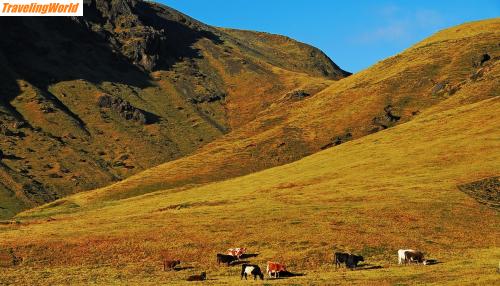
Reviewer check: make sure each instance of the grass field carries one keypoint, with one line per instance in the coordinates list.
(389, 190)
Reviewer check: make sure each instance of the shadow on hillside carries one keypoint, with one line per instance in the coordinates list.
(46, 50)
(11, 157)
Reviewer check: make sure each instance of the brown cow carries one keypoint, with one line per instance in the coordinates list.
(276, 268)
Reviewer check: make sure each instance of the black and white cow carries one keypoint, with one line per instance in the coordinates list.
(251, 269)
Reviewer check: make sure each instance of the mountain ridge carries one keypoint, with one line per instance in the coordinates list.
(391, 92)
(128, 86)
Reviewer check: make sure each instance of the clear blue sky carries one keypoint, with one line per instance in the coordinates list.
(354, 34)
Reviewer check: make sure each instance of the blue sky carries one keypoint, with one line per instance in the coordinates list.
(355, 34)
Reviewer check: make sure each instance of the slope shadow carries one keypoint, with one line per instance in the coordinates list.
(46, 50)
(11, 157)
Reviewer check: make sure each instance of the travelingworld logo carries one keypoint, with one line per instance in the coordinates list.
(41, 7)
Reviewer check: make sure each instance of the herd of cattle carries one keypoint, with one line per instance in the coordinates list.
(273, 269)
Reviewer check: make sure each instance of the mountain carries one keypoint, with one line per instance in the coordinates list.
(397, 188)
(454, 67)
(297, 159)
(87, 101)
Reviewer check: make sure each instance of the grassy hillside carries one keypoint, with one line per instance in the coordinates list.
(393, 189)
(90, 101)
(440, 73)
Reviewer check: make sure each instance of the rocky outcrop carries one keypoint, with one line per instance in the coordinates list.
(126, 110)
(388, 119)
(298, 94)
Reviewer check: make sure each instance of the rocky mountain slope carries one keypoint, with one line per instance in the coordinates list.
(456, 66)
(89, 101)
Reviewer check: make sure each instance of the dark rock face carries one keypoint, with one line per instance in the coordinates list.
(207, 98)
(337, 140)
(144, 32)
(122, 107)
(298, 94)
(484, 58)
(388, 119)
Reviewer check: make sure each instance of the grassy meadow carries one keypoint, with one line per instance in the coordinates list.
(389, 190)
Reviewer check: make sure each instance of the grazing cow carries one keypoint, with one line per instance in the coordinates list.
(236, 252)
(201, 277)
(223, 258)
(353, 260)
(339, 258)
(251, 269)
(402, 257)
(414, 256)
(170, 264)
(276, 268)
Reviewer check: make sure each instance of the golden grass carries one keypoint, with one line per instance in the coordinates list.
(390, 190)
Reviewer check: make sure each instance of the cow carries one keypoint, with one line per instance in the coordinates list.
(406, 256)
(415, 256)
(339, 258)
(251, 269)
(236, 252)
(402, 256)
(276, 268)
(353, 260)
(223, 258)
(170, 264)
(201, 277)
